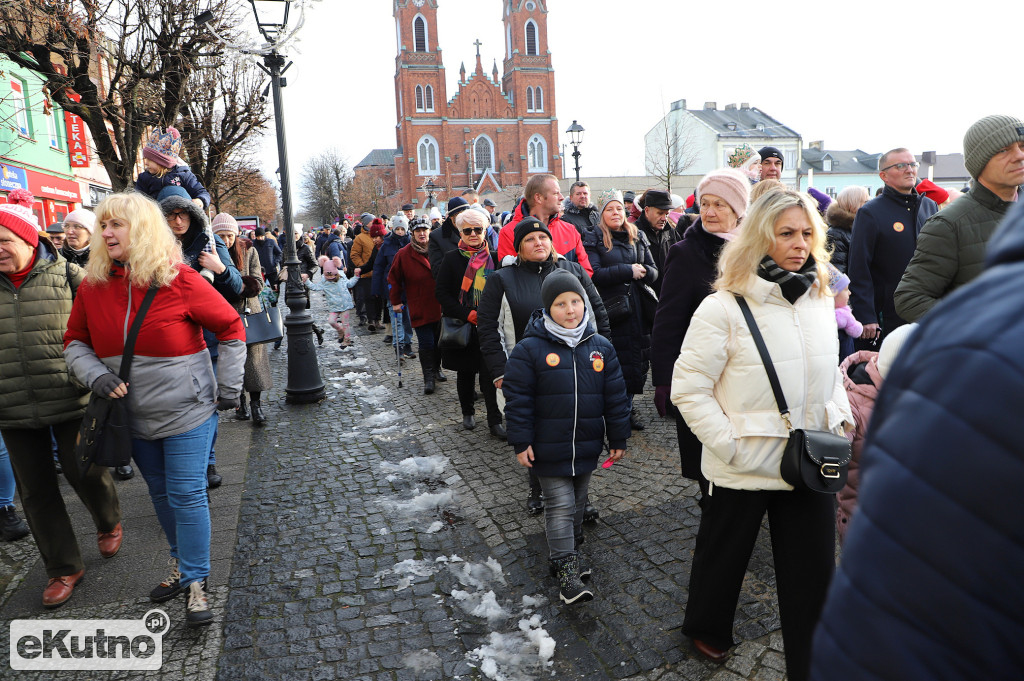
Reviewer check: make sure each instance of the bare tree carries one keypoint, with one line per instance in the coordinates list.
(244, 190)
(122, 65)
(672, 149)
(325, 179)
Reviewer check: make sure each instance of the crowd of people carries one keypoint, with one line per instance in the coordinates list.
(554, 312)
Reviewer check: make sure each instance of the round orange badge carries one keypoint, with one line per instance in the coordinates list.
(598, 365)
(898, 226)
(552, 359)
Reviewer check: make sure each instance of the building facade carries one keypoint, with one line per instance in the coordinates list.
(494, 132)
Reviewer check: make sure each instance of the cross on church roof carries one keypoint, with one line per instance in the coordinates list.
(478, 44)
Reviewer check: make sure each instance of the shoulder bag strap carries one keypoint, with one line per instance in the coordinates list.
(133, 334)
(766, 359)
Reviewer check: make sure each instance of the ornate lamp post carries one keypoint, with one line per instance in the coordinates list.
(576, 138)
(431, 188)
(305, 384)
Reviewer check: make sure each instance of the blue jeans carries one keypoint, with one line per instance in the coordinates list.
(401, 327)
(213, 441)
(174, 468)
(6, 477)
(564, 500)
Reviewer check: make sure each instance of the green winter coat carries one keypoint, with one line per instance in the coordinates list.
(36, 389)
(950, 251)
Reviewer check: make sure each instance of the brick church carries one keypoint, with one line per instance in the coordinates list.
(492, 134)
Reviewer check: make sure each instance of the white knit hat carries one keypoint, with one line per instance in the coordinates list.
(82, 216)
(891, 347)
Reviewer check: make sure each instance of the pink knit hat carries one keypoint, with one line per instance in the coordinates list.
(329, 267)
(730, 184)
(17, 216)
(223, 222)
(164, 149)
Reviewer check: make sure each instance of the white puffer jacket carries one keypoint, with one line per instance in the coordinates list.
(720, 386)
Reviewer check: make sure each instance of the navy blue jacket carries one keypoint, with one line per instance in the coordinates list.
(181, 176)
(270, 255)
(559, 400)
(382, 265)
(334, 247)
(930, 582)
(884, 237)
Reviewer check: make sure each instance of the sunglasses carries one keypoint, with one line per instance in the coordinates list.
(472, 230)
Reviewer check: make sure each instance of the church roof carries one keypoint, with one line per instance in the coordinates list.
(379, 157)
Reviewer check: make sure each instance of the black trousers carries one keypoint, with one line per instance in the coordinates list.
(803, 547)
(464, 384)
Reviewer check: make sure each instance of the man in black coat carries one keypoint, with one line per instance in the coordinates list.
(579, 211)
(884, 237)
(653, 222)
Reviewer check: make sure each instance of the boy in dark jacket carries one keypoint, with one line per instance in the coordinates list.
(563, 388)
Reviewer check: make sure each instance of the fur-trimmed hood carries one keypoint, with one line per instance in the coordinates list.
(838, 217)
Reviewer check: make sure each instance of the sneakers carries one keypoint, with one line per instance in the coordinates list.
(570, 587)
(197, 610)
(407, 351)
(12, 527)
(535, 504)
(170, 587)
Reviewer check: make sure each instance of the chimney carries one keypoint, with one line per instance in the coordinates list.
(730, 107)
(816, 144)
(678, 105)
(745, 105)
(710, 106)
(928, 157)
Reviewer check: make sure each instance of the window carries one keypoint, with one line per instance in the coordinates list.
(427, 155)
(790, 158)
(831, 191)
(20, 106)
(430, 97)
(483, 154)
(419, 32)
(52, 129)
(538, 99)
(508, 41)
(531, 37)
(536, 155)
(826, 164)
(419, 98)
(529, 99)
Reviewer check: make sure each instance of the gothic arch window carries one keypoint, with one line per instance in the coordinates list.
(529, 99)
(427, 155)
(483, 154)
(531, 37)
(536, 155)
(429, 97)
(419, 32)
(538, 99)
(419, 98)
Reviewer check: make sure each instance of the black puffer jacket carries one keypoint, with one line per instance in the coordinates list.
(660, 241)
(559, 400)
(583, 219)
(613, 276)
(840, 233)
(443, 240)
(510, 298)
(80, 258)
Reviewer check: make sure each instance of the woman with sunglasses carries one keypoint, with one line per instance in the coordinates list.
(510, 299)
(460, 285)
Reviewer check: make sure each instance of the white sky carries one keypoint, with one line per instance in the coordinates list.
(871, 75)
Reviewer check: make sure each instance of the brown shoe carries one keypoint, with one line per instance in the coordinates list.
(709, 651)
(109, 542)
(58, 589)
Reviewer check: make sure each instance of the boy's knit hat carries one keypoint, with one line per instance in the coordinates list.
(17, 216)
(891, 347)
(163, 149)
(559, 282)
(837, 281)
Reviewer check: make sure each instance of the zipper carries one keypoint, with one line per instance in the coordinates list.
(575, 408)
(127, 313)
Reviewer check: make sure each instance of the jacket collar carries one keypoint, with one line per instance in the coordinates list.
(910, 200)
(987, 198)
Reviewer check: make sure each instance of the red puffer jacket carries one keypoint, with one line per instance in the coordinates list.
(564, 238)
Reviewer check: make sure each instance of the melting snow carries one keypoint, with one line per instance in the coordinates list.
(380, 419)
(421, 661)
(417, 466)
(480, 604)
(435, 527)
(517, 656)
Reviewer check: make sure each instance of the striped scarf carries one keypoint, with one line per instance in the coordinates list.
(477, 271)
(793, 284)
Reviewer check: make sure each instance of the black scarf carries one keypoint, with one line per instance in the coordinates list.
(793, 284)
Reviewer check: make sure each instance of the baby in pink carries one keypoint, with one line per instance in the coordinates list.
(849, 327)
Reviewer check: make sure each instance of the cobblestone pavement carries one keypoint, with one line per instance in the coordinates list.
(376, 539)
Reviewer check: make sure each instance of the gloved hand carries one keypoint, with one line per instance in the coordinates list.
(106, 384)
(225, 403)
(472, 317)
(661, 401)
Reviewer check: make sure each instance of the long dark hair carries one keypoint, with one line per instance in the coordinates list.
(237, 252)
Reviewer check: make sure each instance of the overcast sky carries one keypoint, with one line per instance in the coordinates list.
(871, 75)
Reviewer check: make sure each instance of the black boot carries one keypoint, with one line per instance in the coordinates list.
(212, 479)
(570, 587)
(590, 514)
(258, 417)
(441, 378)
(319, 334)
(427, 366)
(242, 413)
(11, 526)
(585, 568)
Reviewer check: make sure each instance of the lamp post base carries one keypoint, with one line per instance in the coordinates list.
(305, 385)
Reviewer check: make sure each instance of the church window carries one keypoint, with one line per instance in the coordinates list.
(536, 155)
(419, 31)
(430, 98)
(419, 98)
(483, 154)
(427, 155)
(531, 37)
(538, 99)
(508, 41)
(529, 99)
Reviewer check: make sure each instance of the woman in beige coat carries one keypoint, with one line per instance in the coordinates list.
(720, 386)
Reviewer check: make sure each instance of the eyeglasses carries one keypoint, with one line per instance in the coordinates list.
(472, 230)
(902, 166)
(72, 227)
(177, 215)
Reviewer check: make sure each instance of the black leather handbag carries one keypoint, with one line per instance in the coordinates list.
(814, 460)
(455, 333)
(263, 327)
(105, 436)
(618, 307)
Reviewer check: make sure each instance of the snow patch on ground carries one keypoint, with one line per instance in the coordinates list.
(375, 396)
(381, 419)
(479, 575)
(356, 375)
(480, 604)
(352, 362)
(517, 656)
(417, 467)
(422, 661)
(422, 503)
(435, 527)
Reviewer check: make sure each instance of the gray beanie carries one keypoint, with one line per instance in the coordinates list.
(986, 137)
(559, 282)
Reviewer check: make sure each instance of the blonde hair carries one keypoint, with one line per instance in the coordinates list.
(154, 252)
(741, 257)
(607, 232)
(763, 187)
(852, 198)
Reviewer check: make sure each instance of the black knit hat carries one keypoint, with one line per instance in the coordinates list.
(557, 283)
(771, 152)
(528, 226)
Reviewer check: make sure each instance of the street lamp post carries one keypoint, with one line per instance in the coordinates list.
(305, 384)
(576, 137)
(430, 192)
